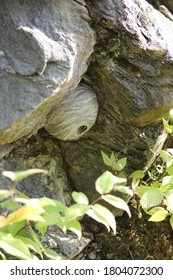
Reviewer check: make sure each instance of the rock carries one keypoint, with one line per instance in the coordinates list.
(69, 245)
(41, 59)
(38, 152)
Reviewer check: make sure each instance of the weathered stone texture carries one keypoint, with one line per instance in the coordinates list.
(44, 51)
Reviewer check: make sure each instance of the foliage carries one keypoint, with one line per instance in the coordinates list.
(23, 219)
(156, 198)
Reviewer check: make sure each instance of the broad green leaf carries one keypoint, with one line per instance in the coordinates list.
(165, 188)
(75, 211)
(167, 157)
(169, 198)
(124, 190)
(107, 161)
(154, 210)
(32, 245)
(16, 227)
(50, 218)
(117, 202)
(159, 216)
(26, 212)
(55, 206)
(120, 181)
(140, 190)
(105, 183)
(20, 175)
(171, 221)
(14, 246)
(155, 185)
(151, 198)
(138, 174)
(80, 197)
(169, 169)
(5, 193)
(51, 254)
(75, 227)
(167, 180)
(120, 164)
(102, 215)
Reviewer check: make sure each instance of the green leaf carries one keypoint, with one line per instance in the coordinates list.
(169, 169)
(102, 215)
(154, 210)
(112, 157)
(26, 212)
(167, 180)
(75, 227)
(159, 216)
(140, 190)
(107, 161)
(138, 174)
(20, 175)
(9, 204)
(167, 157)
(124, 190)
(169, 198)
(105, 183)
(151, 198)
(168, 128)
(171, 222)
(120, 164)
(80, 198)
(52, 255)
(32, 245)
(75, 211)
(54, 205)
(21, 194)
(120, 181)
(50, 218)
(16, 227)
(5, 193)
(14, 246)
(117, 202)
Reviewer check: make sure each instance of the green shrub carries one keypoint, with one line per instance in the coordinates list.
(23, 217)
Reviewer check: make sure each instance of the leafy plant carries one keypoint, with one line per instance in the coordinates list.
(156, 199)
(23, 218)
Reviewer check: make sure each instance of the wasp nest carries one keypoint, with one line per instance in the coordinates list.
(74, 115)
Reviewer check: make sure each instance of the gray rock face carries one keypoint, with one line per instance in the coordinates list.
(44, 50)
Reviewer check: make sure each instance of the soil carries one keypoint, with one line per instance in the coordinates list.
(136, 239)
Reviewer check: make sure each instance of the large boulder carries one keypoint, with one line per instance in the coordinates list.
(44, 51)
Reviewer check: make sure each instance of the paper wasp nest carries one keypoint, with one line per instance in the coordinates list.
(74, 115)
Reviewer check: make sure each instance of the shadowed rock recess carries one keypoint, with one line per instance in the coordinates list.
(113, 58)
